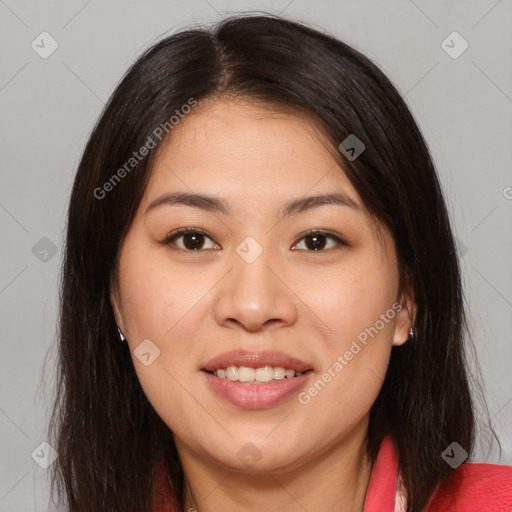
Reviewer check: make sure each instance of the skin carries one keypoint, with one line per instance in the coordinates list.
(311, 304)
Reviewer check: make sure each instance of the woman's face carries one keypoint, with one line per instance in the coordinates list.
(250, 290)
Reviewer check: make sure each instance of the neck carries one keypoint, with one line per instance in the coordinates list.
(336, 479)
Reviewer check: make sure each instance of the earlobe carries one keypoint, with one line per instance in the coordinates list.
(405, 319)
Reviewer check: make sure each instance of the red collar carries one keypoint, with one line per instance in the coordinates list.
(381, 493)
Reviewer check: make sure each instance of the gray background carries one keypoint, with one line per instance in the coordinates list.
(48, 106)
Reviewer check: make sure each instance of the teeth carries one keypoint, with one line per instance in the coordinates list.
(261, 375)
(246, 374)
(232, 373)
(265, 374)
(279, 372)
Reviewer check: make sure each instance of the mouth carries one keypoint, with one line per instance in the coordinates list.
(256, 380)
(262, 375)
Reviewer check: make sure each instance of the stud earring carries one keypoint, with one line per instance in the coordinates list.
(121, 335)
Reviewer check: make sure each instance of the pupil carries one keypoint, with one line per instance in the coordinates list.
(193, 239)
(316, 241)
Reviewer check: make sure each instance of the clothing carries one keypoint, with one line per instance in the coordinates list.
(472, 487)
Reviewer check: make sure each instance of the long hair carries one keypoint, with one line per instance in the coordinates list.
(109, 439)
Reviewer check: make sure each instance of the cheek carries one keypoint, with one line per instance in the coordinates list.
(162, 304)
(156, 296)
(343, 392)
(355, 309)
(350, 298)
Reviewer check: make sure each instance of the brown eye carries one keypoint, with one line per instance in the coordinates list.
(317, 241)
(193, 239)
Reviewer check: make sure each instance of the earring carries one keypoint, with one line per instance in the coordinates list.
(411, 332)
(121, 335)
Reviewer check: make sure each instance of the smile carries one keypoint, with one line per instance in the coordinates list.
(262, 375)
(254, 394)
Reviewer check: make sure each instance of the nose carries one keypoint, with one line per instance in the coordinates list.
(255, 296)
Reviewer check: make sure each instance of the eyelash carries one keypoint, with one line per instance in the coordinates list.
(169, 239)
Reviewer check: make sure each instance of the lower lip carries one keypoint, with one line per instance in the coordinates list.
(256, 396)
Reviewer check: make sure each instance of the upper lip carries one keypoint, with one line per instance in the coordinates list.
(256, 360)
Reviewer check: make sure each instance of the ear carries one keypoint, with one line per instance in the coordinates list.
(116, 306)
(406, 317)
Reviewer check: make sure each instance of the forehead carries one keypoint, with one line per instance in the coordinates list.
(237, 148)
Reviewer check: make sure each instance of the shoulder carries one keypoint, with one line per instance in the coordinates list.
(475, 487)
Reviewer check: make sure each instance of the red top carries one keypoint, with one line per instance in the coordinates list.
(472, 487)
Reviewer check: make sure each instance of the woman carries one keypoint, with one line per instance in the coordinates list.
(257, 217)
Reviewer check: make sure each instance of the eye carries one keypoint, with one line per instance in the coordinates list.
(193, 239)
(316, 241)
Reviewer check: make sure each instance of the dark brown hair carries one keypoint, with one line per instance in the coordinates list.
(108, 436)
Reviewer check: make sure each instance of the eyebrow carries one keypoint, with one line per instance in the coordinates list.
(218, 205)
